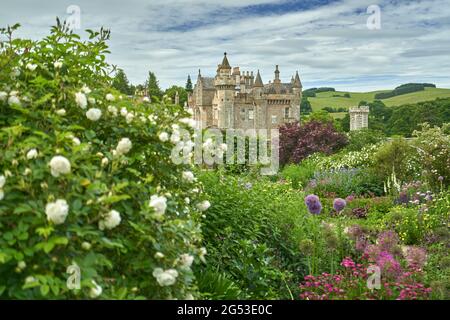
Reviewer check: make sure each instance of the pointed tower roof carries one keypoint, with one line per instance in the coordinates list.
(258, 81)
(225, 64)
(297, 82)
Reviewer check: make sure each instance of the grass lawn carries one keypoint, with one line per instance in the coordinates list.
(337, 100)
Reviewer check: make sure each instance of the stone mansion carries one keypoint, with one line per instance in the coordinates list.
(234, 99)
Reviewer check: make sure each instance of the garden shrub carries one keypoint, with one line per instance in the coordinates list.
(396, 156)
(344, 182)
(86, 181)
(433, 149)
(297, 142)
(359, 139)
(299, 174)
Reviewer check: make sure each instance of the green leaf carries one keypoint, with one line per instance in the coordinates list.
(44, 289)
(117, 198)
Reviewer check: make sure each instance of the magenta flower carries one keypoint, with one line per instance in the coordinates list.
(389, 266)
(339, 204)
(313, 203)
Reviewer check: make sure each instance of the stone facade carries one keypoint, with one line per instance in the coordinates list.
(239, 100)
(359, 118)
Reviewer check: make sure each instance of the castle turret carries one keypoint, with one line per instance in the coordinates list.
(297, 83)
(225, 84)
(277, 76)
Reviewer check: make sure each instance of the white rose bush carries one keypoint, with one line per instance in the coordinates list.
(88, 186)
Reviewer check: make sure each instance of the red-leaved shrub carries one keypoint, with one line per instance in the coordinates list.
(299, 141)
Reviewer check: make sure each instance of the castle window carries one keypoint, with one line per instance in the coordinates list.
(251, 115)
(287, 113)
(274, 119)
(243, 114)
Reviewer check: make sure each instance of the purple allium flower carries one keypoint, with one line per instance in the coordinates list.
(441, 178)
(355, 231)
(372, 252)
(350, 198)
(312, 184)
(339, 204)
(361, 244)
(388, 264)
(416, 257)
(313, 203)
(388, 241)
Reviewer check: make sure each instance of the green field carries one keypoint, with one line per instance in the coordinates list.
(327, 99)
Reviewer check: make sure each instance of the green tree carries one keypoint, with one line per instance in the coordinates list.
(189, 87)
(182, 93)
(305, 106)
(153, 86)
(121, 83)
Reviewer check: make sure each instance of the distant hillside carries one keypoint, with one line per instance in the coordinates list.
(342, 99)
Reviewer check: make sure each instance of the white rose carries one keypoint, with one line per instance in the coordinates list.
(61, 112)
(31, 66)
(112, 110)
(96, 291)
(175, 137)
(129, 117)
(110, 221)
(30, 279)
(21, 265)
(163, 136)
(80, 99)
(186, 260)
(110, 97)
(123, 112)
(58, 64)
(146, 99)
(105, 162)
(94, 114)
(165, 278)
(204, 205)
(86, 246)
(188, 176)
(3, 95)
(124, 146)
(202, 254)
(14, 100)
(59, 165)
(86, 89)
(159, 255)
(76, 141)
(57, 211)
(32, 154)
(188, 121)
(159, 204)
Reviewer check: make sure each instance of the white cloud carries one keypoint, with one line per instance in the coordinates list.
(329, 45)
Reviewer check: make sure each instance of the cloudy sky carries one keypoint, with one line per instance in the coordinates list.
(328, 41)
